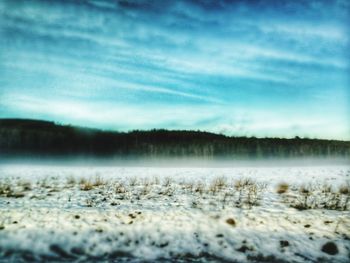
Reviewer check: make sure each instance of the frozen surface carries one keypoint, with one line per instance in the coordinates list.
(179, 214)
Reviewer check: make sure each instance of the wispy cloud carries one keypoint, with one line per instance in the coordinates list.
(156, 55)
(226, 119)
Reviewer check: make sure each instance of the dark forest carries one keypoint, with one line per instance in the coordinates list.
(42, 138)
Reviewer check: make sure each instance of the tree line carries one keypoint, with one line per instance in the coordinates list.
(44, 138)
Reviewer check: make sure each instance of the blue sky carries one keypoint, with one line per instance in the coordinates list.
(255, 68)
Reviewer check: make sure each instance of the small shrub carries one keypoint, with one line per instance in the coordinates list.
(167, 181)
(344, 190)
(90, 202)
(120, 188)
(304, 200)
(25, 185)
(249, 192)
(146, 189)
(199, 188)
(188, 186)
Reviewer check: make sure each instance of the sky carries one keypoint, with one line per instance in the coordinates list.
(241, 68)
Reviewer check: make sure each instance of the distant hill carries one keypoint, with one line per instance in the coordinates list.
(19, 137)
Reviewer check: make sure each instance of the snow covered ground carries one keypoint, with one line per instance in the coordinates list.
(138, 214)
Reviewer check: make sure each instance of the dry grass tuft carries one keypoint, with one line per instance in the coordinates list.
(282, 188)
(344, 189)
(5, 188)
(71, 180)
(133, 181)
(218, 184)
(98, 181)
(86, 186)
(249, 192)
(120, 188)
(167, 181)
(320, 197)
(199, 188)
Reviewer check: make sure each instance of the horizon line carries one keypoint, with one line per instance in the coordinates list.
(57, 123)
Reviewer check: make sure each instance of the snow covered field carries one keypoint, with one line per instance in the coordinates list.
(138, 214)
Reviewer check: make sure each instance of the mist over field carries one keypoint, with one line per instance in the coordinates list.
(172, 162)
